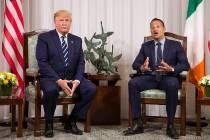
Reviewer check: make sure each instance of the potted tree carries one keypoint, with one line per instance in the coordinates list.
(103, 60)
(108, 95)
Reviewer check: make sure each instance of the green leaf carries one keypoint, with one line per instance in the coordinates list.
(97, 54)
(116, 58)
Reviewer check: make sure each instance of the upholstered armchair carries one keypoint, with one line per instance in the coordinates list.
(33, 92)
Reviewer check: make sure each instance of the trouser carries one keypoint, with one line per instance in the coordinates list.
(87, 91)
(169, 84)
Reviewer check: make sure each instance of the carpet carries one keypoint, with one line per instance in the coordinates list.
(153, 131)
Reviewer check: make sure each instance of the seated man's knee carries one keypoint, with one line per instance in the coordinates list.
(92, 90)
(132, 83)
(51, 91)
(173, 84)
(135, 86)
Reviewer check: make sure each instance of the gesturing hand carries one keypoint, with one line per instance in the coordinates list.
(164, 67)
(145, 67)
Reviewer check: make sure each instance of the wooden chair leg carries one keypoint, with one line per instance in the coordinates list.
(198, 118)
(65, 113)
(143, 113)
(26, 107)
(37, 126)
(184, 121)
(87, 127)
(183, 117)
(130, 120)
(20, 119)
(13, 113)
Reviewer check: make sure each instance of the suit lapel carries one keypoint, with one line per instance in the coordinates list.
(165, 50)
(56, 39)
(71, 44)
(153, 53)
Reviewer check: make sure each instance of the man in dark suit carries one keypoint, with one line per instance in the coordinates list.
(61, 64)
(159, 63)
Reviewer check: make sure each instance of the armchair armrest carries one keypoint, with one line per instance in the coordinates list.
(132, 75)
(32, 73)
(183, 75)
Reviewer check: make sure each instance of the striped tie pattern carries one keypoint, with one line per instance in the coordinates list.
(159, 53)
(64, 50)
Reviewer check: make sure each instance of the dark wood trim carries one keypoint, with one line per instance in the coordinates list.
(13, 101)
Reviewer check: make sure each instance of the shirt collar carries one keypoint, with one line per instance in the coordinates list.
(60, 35)
(162, 41)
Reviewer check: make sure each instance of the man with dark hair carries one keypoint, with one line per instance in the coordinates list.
(61, 64)
(159, 63)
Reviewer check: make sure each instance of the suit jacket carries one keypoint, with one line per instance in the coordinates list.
(50, 57)
(173, 54)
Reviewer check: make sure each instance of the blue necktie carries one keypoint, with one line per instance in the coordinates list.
(158, 61)
(64, 50)
(159, 54)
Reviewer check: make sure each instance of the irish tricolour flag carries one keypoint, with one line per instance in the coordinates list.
(209, 41)
(194, 30)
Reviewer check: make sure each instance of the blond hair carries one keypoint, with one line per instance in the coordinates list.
(62, 13)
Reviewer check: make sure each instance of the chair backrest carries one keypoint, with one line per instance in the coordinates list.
(172, 36)
(30, 41)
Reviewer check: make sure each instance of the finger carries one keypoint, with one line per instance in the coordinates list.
(68, 87)
(146, 65)
(149, 69)
(162, 68)
(69, 81)
(73, 89)
(71, 94)
(164, 64)
(162, 61)
(65, 81)
(158, 70)
(70, 90)
(66, 91)
(146, 60)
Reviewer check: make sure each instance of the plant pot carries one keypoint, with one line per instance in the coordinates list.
(5, 90)
(207, 91)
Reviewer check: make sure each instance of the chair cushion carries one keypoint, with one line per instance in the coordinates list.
(32, 41)
(30, 91)
(156, 94)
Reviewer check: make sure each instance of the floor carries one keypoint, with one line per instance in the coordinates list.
(153, 131)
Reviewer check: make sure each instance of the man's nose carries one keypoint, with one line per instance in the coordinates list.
(155, 30)
(64, 23)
